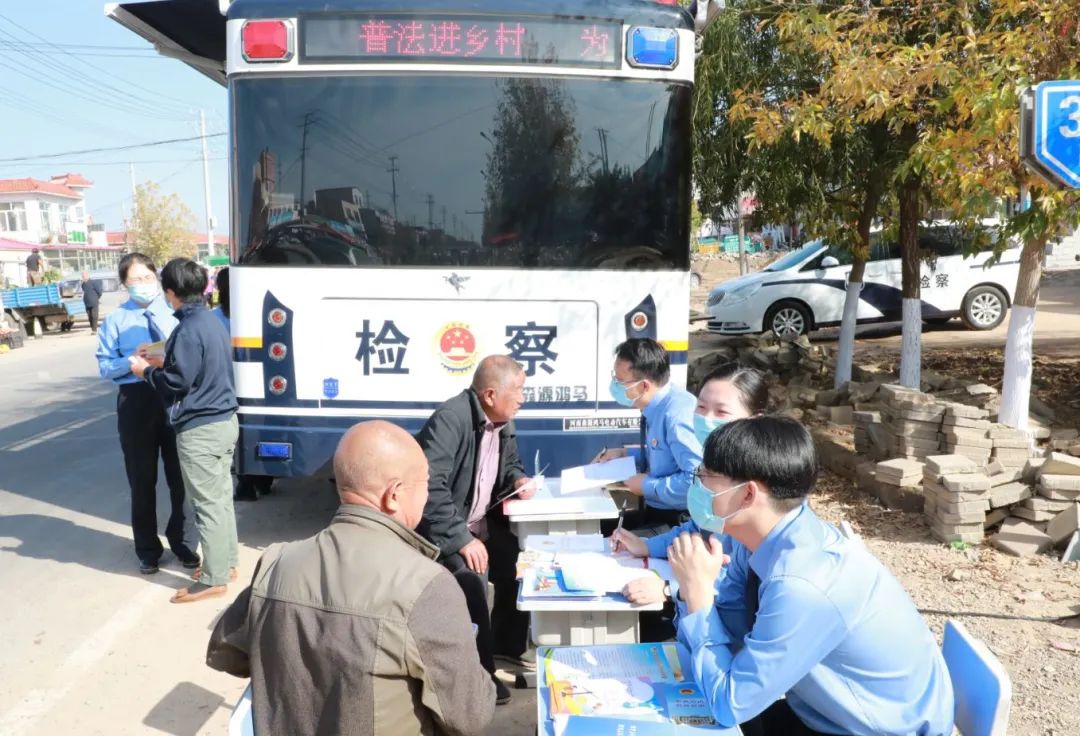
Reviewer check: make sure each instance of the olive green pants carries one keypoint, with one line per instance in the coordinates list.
(206, 454)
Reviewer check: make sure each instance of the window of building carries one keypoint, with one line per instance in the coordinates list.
(13, 217)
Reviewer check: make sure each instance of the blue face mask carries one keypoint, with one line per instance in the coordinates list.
(144, 293)
(703, 426)
(700, 504)
(618, 392)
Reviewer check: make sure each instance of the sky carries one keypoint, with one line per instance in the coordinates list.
(74, 79)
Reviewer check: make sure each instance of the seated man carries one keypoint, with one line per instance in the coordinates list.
(357, 630)
(802, 613)
(670, 449)
(472, 452)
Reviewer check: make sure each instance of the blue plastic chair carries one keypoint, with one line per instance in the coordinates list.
(981, 686)
(242, 722)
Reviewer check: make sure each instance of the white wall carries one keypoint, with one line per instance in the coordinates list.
(34, 203)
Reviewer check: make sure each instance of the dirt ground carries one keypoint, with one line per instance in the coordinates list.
(1026, 610)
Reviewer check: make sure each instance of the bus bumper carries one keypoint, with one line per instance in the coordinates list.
(310, 442)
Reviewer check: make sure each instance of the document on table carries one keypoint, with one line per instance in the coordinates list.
(599, 572)
(596, 475)
(621, 689)
(547, 500)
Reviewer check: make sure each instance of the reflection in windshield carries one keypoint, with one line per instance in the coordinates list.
(794, 257)
(467, 171)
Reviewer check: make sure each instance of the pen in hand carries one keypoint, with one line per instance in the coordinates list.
(615, 544)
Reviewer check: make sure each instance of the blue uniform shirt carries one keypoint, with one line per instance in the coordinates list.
(834, 632)
(124, 330)
(672, 448)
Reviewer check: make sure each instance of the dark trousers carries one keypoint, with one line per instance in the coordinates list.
(92, 315)
(145, 435)
(777, 720)
(506, 630)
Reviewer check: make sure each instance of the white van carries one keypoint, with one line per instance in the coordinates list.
(805, 289)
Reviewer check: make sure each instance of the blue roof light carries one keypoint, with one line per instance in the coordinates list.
(654, 48)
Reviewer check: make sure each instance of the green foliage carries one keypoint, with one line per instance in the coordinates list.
(161, 226)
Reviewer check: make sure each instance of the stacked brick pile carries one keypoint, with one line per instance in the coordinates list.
(957, 496)
(896, 483)
(1012, 448)
(965, 431)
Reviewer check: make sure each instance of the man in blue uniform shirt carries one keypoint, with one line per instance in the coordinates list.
(803, 613)
(670, 450)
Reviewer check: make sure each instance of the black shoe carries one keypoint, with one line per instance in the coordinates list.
(502, 692)
(147, 567)
(245, 494)
(525, 660)
(187, 558)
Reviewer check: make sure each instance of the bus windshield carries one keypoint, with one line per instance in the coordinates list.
(468, 171)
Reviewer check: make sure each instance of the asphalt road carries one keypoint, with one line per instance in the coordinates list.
(89, 646)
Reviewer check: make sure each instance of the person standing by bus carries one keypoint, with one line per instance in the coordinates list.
(473, 458)
(145, 433)
(195, 377)
(670, 452)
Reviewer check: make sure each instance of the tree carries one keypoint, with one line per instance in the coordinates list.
(161, 225)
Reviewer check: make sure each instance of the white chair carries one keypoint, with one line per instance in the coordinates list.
(981, 686)
(242, 723)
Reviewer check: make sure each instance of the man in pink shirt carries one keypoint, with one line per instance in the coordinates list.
(471, 447)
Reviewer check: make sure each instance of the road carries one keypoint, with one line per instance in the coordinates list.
(90, 646)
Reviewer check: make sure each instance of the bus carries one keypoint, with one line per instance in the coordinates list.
(412, 190)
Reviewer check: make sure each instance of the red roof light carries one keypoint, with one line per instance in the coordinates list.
(267, 40)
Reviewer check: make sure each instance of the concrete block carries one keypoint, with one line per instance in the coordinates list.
(963, 411)
(1019, 538)
(1007, 494)
(1064, 434)
(899, 468)
(1036, 517)
(959, 504)
(1038, 503)
(929, 414)
(968, 438)
(1062, 526)
(1007, 475)
(966, 483)
(1033, 468)
(1074, 450)
(970, 533)
(866, 417)
(981, 389)
(1054, 495)
(901, 498)
(843, 415)
(966, 517)
(951, 465)
(893, 391)
(995, 517)
(1004, 432)
(1011, 457)
(1059, 482)
(1010, 443)
(919, 430)
(918, 443)
(980, 455)
(1061, 464)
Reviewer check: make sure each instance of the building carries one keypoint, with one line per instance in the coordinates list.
(126, 241)
(51, 216)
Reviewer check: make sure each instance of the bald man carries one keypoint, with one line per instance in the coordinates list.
(472, 452)
(357, 630)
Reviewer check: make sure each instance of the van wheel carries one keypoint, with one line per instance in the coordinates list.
(788, 320)
(695, 280)
(984, 308)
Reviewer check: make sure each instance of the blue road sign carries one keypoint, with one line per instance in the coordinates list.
(1057, 130)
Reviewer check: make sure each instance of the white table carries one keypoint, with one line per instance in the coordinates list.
(575, 621)
(579, 513)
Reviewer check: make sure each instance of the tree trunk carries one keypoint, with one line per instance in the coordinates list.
(1016, 383)
(911, 288)
(743, 266)
(845, 353)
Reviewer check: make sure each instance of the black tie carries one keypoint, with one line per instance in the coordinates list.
(753, 586)
(643, 457)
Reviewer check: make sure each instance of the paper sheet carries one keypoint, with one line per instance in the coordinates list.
(596, 475)
(599, 572)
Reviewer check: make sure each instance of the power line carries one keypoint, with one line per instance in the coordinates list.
(111, 148)
(124, 162)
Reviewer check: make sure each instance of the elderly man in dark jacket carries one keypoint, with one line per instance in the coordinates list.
(472, 452)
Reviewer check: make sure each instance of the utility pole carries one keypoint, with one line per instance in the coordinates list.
(131, 172)
(393, 170)
(603, 148)
(444, 218)
(206, 188)
(430, 212)
(309, 120)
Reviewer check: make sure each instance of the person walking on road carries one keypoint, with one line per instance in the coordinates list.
(35, 268)
(91, 296)
(195, 377)
(145, 433)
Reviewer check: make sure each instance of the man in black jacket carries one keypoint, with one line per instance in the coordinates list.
(195, 380)
(91, 296)
(474, 464)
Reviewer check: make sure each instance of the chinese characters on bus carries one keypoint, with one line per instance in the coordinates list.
(941, 281)
(483, 39)
(384, 348)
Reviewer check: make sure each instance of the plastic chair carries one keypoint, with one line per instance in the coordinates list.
(242, 722)
(981, 686)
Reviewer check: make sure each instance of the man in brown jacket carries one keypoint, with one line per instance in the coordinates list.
(358, 630)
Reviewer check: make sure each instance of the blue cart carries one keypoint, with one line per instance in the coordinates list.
(49, 304)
